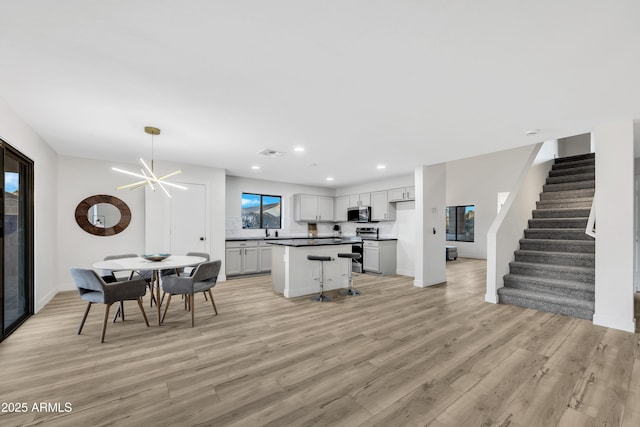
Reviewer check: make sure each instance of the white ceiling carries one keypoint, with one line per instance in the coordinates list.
(357, 83)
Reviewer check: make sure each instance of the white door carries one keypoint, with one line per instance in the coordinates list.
(188, 226)
(325, 208)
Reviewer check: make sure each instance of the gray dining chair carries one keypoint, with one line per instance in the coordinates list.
(110, 276)
(203, 278)
(95, 290)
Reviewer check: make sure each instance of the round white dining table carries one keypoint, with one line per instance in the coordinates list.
(141, 264)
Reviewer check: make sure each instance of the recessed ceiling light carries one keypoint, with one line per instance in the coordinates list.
(255, 167)
(329, 178)
(531, 132)
(381, 167)
(298, 149)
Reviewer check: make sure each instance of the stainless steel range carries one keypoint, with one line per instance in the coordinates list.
(356, 247)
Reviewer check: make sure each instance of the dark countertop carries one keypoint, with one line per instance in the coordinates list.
(380, 239)
(240, 239)
(347, 239)
(312, 242)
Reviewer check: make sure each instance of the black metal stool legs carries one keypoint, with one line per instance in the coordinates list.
(321, 297)
(350, 291)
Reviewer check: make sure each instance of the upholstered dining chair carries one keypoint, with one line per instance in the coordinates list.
(95, 290)
(110, 276)
(203, 278)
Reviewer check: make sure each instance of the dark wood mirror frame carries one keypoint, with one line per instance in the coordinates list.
(82, 215)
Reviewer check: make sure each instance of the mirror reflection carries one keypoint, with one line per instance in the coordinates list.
(103, 215)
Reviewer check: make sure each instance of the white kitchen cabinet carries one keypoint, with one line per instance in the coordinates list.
(310, 208)
(265, 257)
(233, 261)
(402, 194)
(362, 199)
(325, 208)
(250, 261)
(341, 206)
(242, 257)
(381, 209)
(379, 256)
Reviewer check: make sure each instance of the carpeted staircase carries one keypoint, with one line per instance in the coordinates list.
(554, 269)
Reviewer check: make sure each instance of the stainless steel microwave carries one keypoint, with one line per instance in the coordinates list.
(359, 214)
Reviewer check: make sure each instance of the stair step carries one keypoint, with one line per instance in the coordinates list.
(550, 303)
(565, 186)
(581, 202)
(571, 259)
(573, 164)
(571, 178)
(568, 194)
(556, 234)
(569, 288)
(559, 245)
(559, 223)
(576, 157)
(562, 213)
(562, 272)
(572, 171)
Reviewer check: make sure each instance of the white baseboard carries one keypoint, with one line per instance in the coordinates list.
(423, 284)
(615, 323)
(492, 298)
(41, 302)
(409, 273)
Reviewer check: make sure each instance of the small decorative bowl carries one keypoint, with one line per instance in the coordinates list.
(155, 257)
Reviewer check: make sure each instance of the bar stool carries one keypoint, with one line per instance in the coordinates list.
(322, 297)
(350, 291)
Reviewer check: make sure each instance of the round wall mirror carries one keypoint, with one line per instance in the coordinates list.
(103, 215)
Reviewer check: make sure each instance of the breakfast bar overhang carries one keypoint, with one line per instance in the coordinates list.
(293, 275)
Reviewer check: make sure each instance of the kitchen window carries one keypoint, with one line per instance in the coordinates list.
(261, 211)
(460, 223)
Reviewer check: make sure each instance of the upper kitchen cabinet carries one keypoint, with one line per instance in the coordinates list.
(381, 209)
(402, 194)
(363, 199)
(341, 206)
(309, 208)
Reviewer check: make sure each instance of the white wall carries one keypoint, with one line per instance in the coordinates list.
(614, 219)
(507, 229)
(406, 228)
(235, 186)
(15, 132)
(80, 178)
(574, 145)
(477, 181)
(430, 263)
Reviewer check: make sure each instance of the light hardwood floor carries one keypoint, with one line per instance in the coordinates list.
(395, 356)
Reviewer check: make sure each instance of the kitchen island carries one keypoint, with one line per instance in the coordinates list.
(293, 275)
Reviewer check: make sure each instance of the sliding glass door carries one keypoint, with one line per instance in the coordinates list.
(16, 258)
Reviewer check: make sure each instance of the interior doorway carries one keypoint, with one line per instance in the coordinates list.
(188, 225)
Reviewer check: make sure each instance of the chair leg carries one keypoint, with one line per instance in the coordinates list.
(193, 309)
(122, 310)
(213, 303)
(142, 310)
(105, 321)
(205, 295)
(166, 307)
(86, 312)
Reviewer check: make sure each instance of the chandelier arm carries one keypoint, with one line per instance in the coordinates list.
(132, 186)
(148, 180)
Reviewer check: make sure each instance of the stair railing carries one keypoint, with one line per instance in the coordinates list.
(591, 223)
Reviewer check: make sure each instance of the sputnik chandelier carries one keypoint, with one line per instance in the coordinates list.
(146, 173)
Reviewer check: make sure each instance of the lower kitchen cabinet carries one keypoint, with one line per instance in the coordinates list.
(379, 256)
(247, 257)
